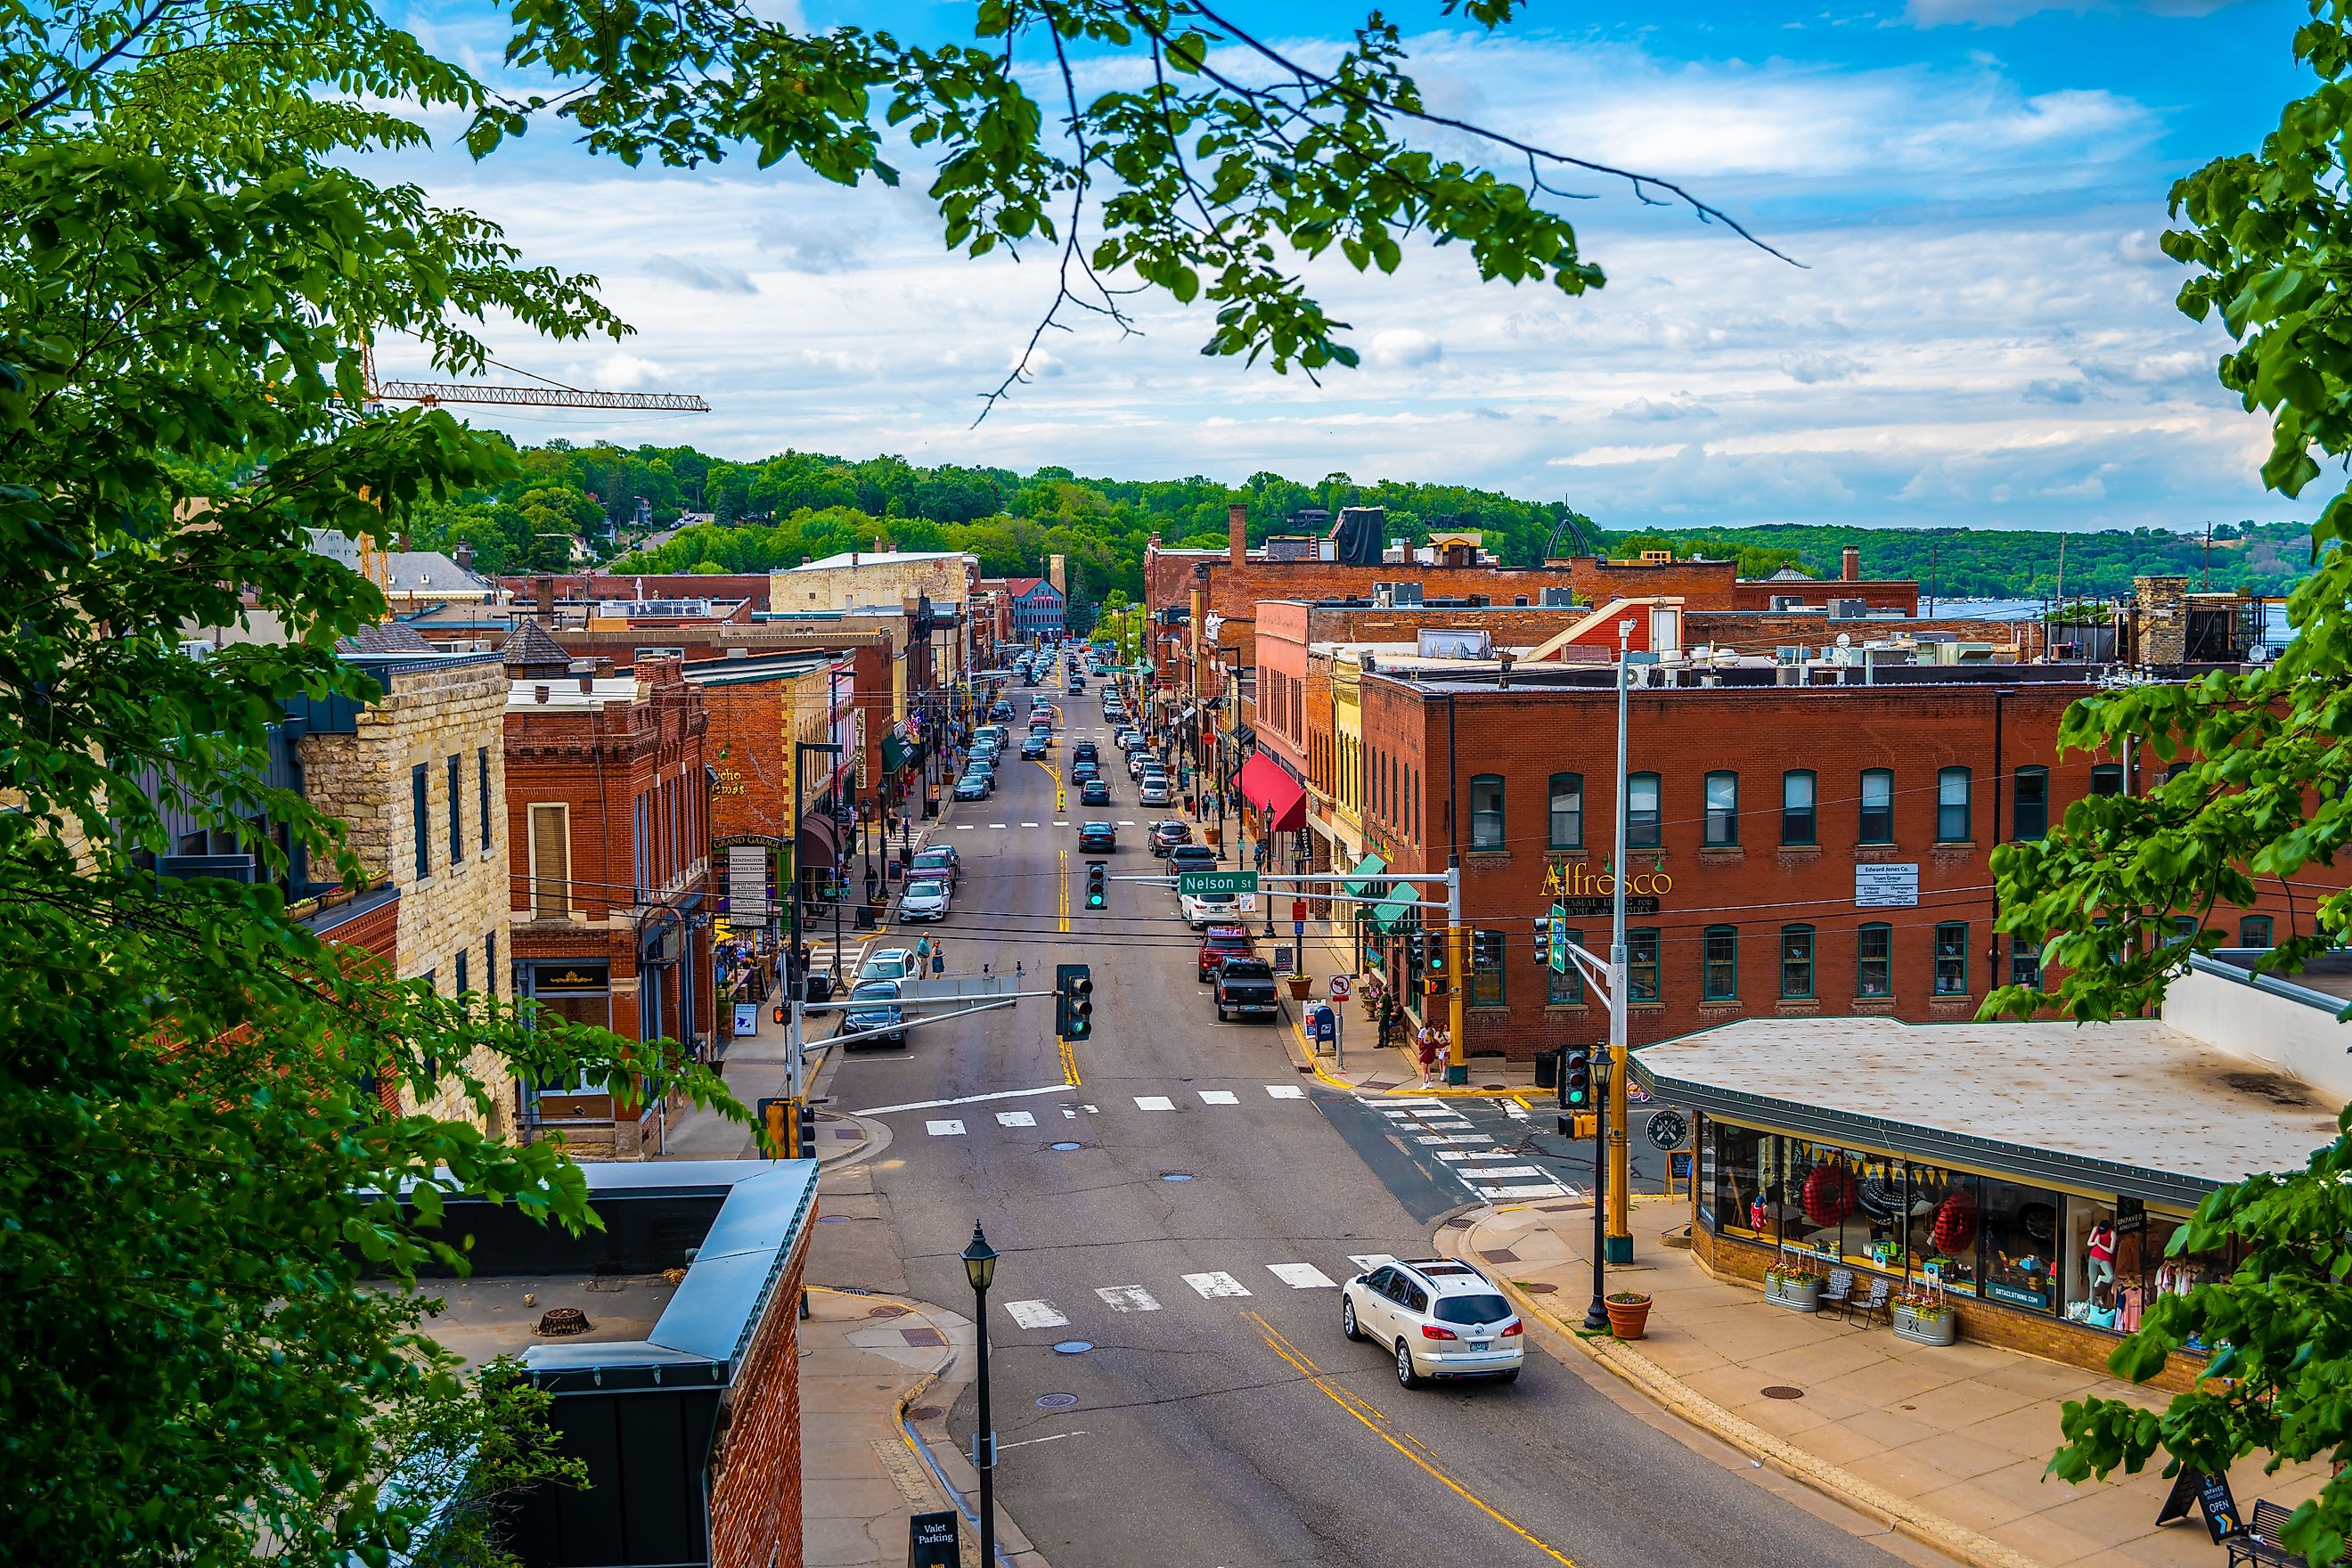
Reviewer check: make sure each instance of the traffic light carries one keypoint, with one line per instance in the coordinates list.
(1438, 941)
(1097, 888)
(1576, 1079)
(1074, 1003)
(1543, 939)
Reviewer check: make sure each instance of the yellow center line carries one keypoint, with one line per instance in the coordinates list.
(1061, 890)
(1373, 1420)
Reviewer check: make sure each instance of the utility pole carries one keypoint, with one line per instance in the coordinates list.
(1621, 1226)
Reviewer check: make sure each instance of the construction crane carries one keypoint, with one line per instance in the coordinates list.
(374, 563)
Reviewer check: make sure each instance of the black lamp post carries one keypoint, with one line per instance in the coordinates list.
(794, 977)
(980, 1268)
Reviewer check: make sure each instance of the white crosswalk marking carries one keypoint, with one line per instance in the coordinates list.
(1218, 1284)
(1461, 1155)
(1015, 1119)
(1515, 1110)
(1385, 1099)
(1366, 1262)
(1036, 1315)
(1533, 1190)
(1154, 1102)
(964, 827)
(1028, 825)
(1128, 1298)
(1456, 1126)
(1302, 1275)
(1286, 1091)
(1455, 1138)
(1219, 1096)
(948, 1129)
(1497, 1173)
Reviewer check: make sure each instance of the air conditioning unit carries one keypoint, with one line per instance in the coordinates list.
(195, 648)
(1557, 598)
(1406, 593)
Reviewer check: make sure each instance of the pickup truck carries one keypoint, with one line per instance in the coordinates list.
(1245, 989)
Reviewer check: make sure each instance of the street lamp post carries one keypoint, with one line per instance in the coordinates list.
(980, 1268)
(794, 977)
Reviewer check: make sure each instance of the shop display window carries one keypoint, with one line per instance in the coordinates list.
(2020, 1246)
(1744, 1188)
(2169, 1276)
(1946, 1216)
(2098, 1293)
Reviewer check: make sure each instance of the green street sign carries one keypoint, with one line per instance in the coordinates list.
(1194, 883)
(1559, 939)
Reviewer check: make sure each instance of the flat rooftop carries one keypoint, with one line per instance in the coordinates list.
(2157, 1112)
(482, 1319)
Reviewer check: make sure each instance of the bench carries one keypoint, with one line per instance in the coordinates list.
(2258, 1540)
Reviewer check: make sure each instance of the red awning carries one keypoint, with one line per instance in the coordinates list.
(1266, 786)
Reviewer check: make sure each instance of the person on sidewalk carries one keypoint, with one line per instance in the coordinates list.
(1427, 1053)
(1388, 1020)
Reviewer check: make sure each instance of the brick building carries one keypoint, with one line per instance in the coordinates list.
(1036, 609)
(1797, 850)
(607, 803)
(600, 585)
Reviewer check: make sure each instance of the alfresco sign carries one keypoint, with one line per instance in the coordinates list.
(1577, 878)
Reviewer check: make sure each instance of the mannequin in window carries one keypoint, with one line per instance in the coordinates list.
(2101, 1245)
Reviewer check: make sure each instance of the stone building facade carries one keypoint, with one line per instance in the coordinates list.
(419, 777)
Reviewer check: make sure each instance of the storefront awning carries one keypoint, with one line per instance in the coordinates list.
(1368, 866)
(894, 753)
(1274, 791)
(1396, 908)
(819, 843)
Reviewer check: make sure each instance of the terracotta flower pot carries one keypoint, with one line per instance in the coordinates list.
(1629, 1314)
(1300, 985)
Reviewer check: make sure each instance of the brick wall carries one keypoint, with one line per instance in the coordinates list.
(755, 1489)
(751, 585)
(1754, 887)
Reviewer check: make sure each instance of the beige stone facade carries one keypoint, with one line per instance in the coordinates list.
(865, 579)
(443, 714)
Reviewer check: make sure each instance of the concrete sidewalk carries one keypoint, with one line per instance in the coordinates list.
(879, 1374)
(1946, 1444)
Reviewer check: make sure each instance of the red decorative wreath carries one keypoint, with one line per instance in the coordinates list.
(1955, 1224)
(1829, 1195)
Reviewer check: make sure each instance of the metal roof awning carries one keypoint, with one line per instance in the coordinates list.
(1392, 911)
(1265, 785)
(1359, 875)
(819, 842)
(894, 753)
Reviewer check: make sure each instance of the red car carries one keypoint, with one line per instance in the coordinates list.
(1216, 941)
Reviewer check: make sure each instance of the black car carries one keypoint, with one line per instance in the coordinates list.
(1085, 752)
(1034, 747)
(1097, 838)
(1081, 772)
(1094, 792)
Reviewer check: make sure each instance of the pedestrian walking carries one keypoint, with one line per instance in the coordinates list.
(1425, 1051)
(939, 958)
(1388, 1020)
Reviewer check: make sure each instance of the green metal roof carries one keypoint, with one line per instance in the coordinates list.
(1393, 910)
(1368, 866)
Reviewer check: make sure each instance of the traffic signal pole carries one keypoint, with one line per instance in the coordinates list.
(1620, 1228)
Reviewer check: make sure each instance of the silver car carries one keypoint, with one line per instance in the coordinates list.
(1439, 1317)
(1153, 792)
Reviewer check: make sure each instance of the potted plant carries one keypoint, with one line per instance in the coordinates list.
(1925, 1318)
(1300, 985)
(1629, 1313)
(1793, 1283)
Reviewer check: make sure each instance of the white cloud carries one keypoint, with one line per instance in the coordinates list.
(701, 274)
(627, 371)
(1649, 410)
(1405, 346)
(1605, 456)
(1811, 366)
(2004, 13)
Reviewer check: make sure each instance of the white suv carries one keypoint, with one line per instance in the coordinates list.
(1442, 1318)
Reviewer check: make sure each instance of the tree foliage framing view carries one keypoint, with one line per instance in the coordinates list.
(190, 1157)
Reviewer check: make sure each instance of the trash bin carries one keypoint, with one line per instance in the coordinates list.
(820, 987)
(1547, 1069)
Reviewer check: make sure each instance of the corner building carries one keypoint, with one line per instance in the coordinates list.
(1797, 850)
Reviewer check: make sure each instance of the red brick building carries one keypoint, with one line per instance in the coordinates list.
(1797, 850)
(608, 801)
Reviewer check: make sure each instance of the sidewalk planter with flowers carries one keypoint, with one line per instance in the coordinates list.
(1926, 1322)
(1795, 1286)
(1629, 1313)
(1301, 985)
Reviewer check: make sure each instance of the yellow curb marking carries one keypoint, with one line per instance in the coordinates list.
(1377, 1423)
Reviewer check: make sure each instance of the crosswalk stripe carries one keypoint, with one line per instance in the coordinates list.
(1458, 1155)
(1219, 1096)
(1036, 1315)
(1383, 1099)
(1497, 1173)
(1532, 1190)
(1286, 1091)
(1454, 1138)
(1128, 1298)
(1216, 1284)
(1366, 1262)
(1302, 1275)
(1154, 1102)
(1015, 1119)
(948, 1129)
(1515, 1110)
(964, 827)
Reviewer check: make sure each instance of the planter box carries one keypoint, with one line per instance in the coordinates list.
(1799, 1297)
(1941, 1330)
(1301, 985)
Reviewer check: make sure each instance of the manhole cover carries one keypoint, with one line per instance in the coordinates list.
(1493, 1088)
(928, 1412)
(885, 1311)
(1782, 1391)
(1057, 1401)
(1458, 1222)
(1066, 1148)
(1073, 1347)
(1175, 1175)
(1539, 1286)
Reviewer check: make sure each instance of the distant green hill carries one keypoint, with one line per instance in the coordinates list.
(774, 512)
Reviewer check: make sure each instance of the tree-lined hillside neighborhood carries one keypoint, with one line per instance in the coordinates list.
(1727, 942)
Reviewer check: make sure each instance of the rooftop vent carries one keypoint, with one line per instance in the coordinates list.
(562, 1323)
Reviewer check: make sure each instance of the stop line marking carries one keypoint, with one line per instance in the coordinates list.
(1219, 1096)
(948, 1129)
(1154, 1102)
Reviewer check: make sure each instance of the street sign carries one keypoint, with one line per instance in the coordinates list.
(1559, 939)
(1298, 911)
(1298, 930)
(1341, 985)
(1668, 1131)
(1195, 883)
(931, 1541)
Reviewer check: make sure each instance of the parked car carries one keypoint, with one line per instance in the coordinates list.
(1190, 857)
(886, 963)
(1169, 833)
(1202, 909)
(1439, 1317)
(1094, 792)
(1243, 985)
(924, 898)
(938, 860)
(1153, 792)
(972, 786)
(874, 1004)
(1220, 942)
(1097, 838)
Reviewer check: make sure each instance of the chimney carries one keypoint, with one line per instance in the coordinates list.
(539, 693)
(1237, 534)
(465, 556)
(1057, 571)
(545, 588)
(1851, 565)
(881, 546)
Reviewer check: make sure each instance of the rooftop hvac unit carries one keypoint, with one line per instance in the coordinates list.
(1783, 602)
(1789, 675)
(1791, 655)
(1405, 593)
(1849, 609)
(1557, 598)
(195, 648)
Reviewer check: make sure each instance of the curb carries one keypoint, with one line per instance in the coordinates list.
(1304, 1060)
(1662, 1388)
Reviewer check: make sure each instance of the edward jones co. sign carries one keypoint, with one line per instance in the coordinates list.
(1579, 890)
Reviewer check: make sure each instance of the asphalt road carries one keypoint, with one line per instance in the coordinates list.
(1198, 1425)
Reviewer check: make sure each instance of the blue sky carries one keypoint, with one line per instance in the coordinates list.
(1982, 332)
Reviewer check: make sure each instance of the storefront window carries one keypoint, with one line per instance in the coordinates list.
(1874, 954)
(2168, 1276)
(2088, 1276)
(1946, 1214)
(1744, 1184)
(2020, 1244)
